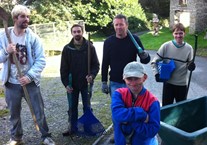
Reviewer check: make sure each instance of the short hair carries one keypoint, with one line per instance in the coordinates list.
(178, 26)
(76, 25)
(19, 9)
(121, 16)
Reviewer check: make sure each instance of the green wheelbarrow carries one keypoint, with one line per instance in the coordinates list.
(184, 123)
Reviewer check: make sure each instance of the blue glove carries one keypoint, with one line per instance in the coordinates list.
(191, 66)
(105, 88)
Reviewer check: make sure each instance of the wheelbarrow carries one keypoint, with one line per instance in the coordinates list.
(184, 123)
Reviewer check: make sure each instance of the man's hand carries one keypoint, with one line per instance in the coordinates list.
(89, 78)
(105, 88)
(191, 66)
(147, 119)
(24, 80)
(11, 48)
(68, 89)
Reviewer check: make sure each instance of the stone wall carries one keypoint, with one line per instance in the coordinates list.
(192, 15)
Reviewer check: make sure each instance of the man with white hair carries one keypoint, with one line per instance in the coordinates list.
(30, 56)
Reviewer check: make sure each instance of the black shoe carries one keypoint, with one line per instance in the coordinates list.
(67, 133)
(111, 140)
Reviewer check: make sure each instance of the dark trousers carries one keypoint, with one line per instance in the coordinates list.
(73, 106)
(171, 92)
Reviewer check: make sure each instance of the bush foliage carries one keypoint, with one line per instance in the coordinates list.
(97, 14)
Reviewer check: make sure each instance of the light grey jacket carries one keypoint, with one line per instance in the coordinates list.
(36, 58)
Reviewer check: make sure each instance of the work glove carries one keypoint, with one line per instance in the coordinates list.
(157, 77)
(191, 66)
(105, 88)
(144, 57)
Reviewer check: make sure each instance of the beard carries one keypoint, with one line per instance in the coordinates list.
(78, 38)
(24, 25)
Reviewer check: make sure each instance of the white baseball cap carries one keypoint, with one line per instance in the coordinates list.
(133, 69)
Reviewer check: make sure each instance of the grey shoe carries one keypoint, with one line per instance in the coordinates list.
(48, 141)
(14, 142)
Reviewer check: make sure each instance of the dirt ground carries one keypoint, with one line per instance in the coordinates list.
(54, 96)
(56, 106)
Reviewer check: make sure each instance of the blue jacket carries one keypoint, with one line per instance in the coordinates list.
(129, 115)
(35, 56)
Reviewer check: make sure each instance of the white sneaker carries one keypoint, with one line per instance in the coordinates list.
(48, 141)
(14, 142)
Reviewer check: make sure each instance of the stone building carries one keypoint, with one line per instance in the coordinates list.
(192, 13)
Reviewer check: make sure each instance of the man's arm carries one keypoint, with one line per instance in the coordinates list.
(144, 55)
(122, 114)
(64, 67)
(36, 55)
(95, 65)
(105, 63)
(150, 128)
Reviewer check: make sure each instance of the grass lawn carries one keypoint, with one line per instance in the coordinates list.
(151, 42)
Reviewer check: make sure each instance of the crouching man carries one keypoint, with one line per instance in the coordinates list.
(135, 111)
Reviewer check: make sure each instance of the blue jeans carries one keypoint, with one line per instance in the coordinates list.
(73, 106)
(114, 85)
(14, 94)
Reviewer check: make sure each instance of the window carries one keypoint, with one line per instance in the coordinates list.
(183, 2)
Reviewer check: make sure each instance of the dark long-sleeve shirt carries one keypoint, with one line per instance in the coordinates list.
(117, 53)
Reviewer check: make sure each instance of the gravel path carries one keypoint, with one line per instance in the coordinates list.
(56, 105)
(54, 96)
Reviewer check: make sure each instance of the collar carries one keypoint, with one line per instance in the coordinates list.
(177, 45)
(141, 92)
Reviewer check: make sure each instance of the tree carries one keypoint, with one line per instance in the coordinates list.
(160, 7)
(51, 11)
(98, 14)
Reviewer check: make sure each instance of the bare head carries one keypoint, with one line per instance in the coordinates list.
(121, 16)
(18, 10)
(120, 23)
(178, 26)
(76, 25)
(179, 33)
(77, 32)
(20, 15)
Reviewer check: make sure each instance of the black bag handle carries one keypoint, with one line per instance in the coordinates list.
(172, 58)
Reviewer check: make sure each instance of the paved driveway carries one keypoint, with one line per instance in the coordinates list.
(198, 84)
(55, 105)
